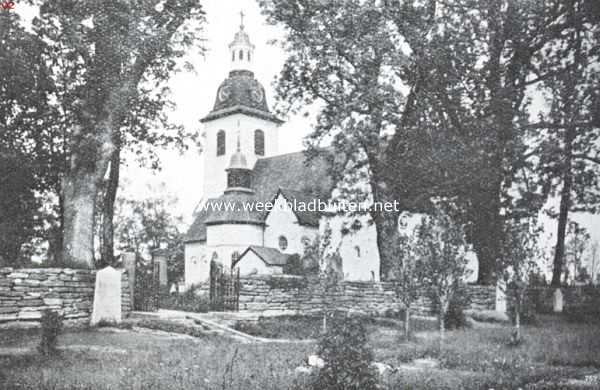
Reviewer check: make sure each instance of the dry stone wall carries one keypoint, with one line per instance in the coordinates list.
(290, 295)
(575, 298)
(26, 292)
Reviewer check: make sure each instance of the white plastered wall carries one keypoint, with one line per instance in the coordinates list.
(215, 177)
(251, 264)
(282, 221)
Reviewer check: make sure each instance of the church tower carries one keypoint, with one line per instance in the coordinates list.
(240, 120)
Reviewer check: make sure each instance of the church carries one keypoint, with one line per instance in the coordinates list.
(243, 170)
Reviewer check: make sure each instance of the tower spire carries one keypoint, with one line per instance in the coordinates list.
(241, 49)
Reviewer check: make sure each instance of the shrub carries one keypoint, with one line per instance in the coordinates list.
(528, 309)
(455, 316)
(347, 357)
(190, 300)
(51, 328)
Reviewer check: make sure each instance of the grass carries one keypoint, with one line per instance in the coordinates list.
(151, 361)
(311, 327)
(470, 359)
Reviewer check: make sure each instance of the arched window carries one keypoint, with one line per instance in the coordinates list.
(232, 56)
(357, 249)
(248, 55)
(234, 258)
(241, 55)
(283, 243)
(259, 142)
(221, 143)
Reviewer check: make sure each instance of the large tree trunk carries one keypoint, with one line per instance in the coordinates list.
(108, 209)
(78, 232)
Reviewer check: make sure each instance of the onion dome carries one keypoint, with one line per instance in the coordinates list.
(240, 92)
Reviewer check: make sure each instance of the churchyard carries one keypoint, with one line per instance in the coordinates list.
(557, 354)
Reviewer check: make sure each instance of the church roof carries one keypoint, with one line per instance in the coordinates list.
(293, 175)
(270, 256)
(241, 92)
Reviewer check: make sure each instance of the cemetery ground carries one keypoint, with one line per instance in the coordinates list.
(554, 351)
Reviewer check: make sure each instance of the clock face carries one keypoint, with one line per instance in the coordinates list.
(257, 94)
(223, 93)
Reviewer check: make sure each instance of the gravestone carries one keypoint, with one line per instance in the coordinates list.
(107, 296)
(557, 301)
(500, 297)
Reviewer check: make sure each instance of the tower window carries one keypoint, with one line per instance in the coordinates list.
(221, 143)
(232, 56)
(241, 55)
(357, 249)
(248, 55)
(283, 243)
(259, 142)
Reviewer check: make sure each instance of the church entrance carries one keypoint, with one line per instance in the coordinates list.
(224, 288)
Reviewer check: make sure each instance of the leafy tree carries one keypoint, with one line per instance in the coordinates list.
(578, 240)
(520, 252)
(346, 58)
(407, 276)
(569, 131)
(460, 126)
(25, 158)
(104, 57)
(146, 225)
(441, 249)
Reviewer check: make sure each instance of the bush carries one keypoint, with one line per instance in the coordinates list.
(51, 328)
(455, 316)
(347, 357)
(191, 300)
(528, 311)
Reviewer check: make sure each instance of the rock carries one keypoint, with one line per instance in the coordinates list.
(382, 368)
(426, 363)
(304, 370)
(316, 361)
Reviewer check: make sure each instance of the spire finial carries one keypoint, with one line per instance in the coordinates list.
(242, 20)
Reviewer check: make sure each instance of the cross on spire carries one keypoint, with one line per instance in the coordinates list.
(242, 19)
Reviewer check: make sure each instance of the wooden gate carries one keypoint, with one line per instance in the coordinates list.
(224, 288)
(147, 287)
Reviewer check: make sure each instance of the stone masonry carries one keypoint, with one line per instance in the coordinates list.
(284, 294)
(26, 292)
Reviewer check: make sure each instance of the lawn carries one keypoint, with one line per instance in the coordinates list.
(477, 358)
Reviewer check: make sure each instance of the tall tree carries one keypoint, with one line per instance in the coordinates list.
(108, 50)
(568, 149)
(350, 60)
(26, 154)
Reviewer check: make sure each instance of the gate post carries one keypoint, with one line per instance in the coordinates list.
(129, 265)
(159, 256)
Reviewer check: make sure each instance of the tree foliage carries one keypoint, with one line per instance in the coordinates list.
(434, 99)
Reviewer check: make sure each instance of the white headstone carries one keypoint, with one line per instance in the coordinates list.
(557, 301)
(501, 297)
(107, 296)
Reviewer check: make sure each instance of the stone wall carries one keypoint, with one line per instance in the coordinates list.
(575, 298)
(284, 294)
(26, 292)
